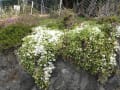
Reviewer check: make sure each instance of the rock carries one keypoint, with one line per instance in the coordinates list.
(67, 77)
(113, 83)
(12, 76)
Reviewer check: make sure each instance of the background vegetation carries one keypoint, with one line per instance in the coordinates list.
(11, 36)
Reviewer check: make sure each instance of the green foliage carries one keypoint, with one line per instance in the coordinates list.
(52, 23)
(90, 46)
(81, 19)
(92, 49)
(66, 20)
(110, 19)
(37, 54)
(69, 19)
(56, 25)
(10, 37)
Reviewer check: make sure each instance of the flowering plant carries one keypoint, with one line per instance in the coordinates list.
(37, 54)
(89, 47)
(92, 47)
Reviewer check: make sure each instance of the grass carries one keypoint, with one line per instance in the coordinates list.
(53, 23)
(109, 19)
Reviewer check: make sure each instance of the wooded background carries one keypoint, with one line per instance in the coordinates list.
(87, 8)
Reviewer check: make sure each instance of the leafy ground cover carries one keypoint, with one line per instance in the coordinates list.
(37, 54)
(90, 47)
(11, 36)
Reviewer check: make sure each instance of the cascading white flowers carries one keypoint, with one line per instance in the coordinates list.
(37, 53)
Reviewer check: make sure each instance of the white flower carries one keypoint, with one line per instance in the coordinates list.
(113, 60)
(116, 46)
(28, 54)
(118, 31)
(103, 55)
(35, 47)
(38, 50)
(96, 29)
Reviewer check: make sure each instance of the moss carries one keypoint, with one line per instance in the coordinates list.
(11, 36)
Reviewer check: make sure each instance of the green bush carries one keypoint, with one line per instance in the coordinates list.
(37, 54)
(92, 49)
(12, 35)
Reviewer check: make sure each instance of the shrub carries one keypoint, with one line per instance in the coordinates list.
(12, 35)
(92, 48)
(37, 54)
(66, 20)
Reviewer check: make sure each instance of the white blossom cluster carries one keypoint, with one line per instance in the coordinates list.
(95, 30)
(43, 33)
(34, 50)
(113, 59)
(118, 31)
(48, 71)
